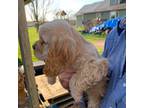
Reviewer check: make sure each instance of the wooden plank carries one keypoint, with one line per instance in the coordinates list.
(26, 56)
(49, 91)
(38, 63)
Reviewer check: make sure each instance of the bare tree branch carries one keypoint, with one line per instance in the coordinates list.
(39, 10)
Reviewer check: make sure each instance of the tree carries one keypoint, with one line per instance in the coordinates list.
(61, 14)
(39, 10)
(70, 13)
(64, 14)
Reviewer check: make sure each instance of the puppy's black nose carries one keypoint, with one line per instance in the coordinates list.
(34, 46)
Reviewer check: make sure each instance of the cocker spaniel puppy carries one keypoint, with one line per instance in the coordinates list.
(61, 47)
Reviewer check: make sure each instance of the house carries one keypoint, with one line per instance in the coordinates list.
(104, 10)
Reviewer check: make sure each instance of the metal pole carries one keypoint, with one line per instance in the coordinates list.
(26, 56)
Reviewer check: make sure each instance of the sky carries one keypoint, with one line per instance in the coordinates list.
(72, 6)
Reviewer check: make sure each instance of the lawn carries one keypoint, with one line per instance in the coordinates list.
(33, 36)
(94, 39)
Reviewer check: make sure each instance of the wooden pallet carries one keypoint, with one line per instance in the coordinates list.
(48, 91)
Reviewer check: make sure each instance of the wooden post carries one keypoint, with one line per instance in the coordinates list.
(26, 56)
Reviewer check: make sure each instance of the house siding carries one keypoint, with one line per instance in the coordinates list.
(79, 20)
(105, 15)
(122, 13)
(89, 16)
(102, 15)
(115, 8)
(113, 2)
(113, 14)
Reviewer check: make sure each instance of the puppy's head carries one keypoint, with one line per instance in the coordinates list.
(58, 45)
(57, 39)
(40, 49)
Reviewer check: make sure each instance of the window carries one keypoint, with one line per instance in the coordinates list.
(105, 15)
(122, 13)
(122, 1)
(113, 14)
(113, 2)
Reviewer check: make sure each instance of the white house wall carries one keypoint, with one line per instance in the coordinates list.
(79, 20)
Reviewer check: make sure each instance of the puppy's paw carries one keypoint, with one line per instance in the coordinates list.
(75, 89)
(76, 95)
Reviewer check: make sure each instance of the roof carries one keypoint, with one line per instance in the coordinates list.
(90, 8)
(99, 7)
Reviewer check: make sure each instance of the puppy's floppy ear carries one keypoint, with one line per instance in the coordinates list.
(44, 34)
(43, 37)
(63, 48)
(62, 51)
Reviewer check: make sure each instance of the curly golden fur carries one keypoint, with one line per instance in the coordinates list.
(61, 47)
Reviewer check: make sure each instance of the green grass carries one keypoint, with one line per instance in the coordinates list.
(33, 36)
(93, 38)
(80, 28)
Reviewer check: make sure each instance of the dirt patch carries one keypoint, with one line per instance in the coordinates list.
(100, 44)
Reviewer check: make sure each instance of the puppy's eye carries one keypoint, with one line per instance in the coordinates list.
(42, 42)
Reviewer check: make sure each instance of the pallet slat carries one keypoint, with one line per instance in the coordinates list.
(49, 91)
